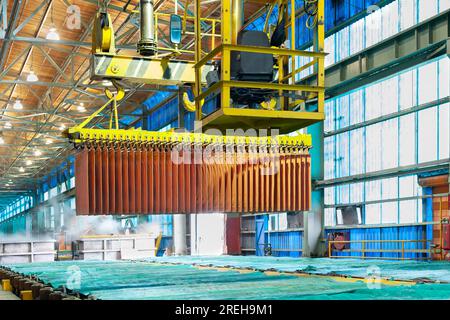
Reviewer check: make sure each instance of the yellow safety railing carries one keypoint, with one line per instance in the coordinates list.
(364, 250)
(210, 21)
(436, 248)
(285, 80)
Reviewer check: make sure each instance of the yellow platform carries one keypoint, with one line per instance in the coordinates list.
(284, 121)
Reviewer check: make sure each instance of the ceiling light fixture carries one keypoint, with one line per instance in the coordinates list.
(32, 77)
(62, 127)
(37, 153)
(29, 162)
(18, 105)
(52, 34)
(2, 141)
(21, 169)
(8, 125)
(81, 107)
(48, 141)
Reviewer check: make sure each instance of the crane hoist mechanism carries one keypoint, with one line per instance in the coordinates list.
(248, 81)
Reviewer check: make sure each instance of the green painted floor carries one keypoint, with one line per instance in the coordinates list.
(123, 280)
(390, 269)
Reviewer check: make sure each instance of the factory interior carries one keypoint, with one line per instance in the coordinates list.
(224, 150)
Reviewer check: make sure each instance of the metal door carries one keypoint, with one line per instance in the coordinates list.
(259, 237)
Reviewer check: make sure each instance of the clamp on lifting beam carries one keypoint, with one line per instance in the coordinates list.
(138, 136)
(113, 98)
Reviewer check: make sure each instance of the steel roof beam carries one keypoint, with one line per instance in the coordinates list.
(15, 9)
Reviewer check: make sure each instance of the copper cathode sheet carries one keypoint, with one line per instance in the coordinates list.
(157, 183)
(308, 183)
(169, 181)
(151, 180)
(222, 188)
(132, 181)
(245, 183)
(92, 183)
(227, 178)
(105, 181)
(126, 181)
(162, 181)
(181, 186)
(239, 180)
(98, 181)
(250, 180)
(112, 181)
(144, 181)
(256, 183)
(234, 184)
(199, 189)
(138, 181)
(118, 181)
(81, 177)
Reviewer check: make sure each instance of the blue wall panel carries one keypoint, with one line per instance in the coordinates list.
(386, 233)
(285, 240)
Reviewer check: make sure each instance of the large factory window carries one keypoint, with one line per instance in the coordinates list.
(383, 197)
(393, 18)
(417, 137)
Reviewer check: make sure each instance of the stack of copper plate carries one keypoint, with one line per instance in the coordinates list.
(157, 178)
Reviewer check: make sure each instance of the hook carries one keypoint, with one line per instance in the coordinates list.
(119, 95)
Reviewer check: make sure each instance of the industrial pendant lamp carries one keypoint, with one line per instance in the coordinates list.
(81, 107)
(32, 77)
(52, 34)
(18, 105)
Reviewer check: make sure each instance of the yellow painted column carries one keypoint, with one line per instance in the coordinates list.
(198, 56)
(6, 285)
(226, 58)
(319, 46)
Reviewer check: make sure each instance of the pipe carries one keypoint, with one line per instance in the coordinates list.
(147, 45)
(237, 19)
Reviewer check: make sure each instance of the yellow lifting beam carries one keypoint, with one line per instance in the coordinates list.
(159, 71)
(80, 134)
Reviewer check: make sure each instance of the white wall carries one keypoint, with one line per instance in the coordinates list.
(207, 234)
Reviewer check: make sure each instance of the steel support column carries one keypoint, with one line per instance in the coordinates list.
(313, 220)
(179, 234)
(179, 220)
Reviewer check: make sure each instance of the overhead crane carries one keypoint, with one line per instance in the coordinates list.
(245, 79)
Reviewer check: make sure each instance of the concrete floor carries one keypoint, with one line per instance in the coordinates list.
(7, 295)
